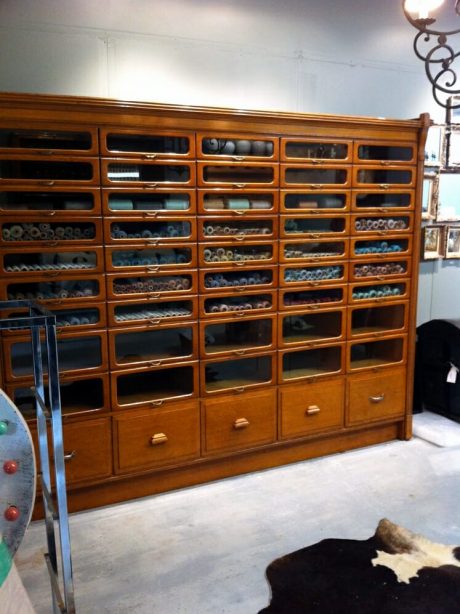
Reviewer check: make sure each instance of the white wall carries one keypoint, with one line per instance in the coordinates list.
(328, 56)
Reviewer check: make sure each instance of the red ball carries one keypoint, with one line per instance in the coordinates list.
(11, 513)
(10, 466)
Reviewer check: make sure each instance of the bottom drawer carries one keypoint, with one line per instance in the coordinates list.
(157, 437)
(376, 396)
(240, 421)
(311, 408)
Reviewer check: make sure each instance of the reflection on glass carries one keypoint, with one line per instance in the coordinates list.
(238, 373)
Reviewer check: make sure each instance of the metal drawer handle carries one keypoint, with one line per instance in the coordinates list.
(155, 363)
(240, 263)
(70, 455)
(151, 185)
(239, 185)
(151, 213)
(239, 389)
(238, 158)
(45, 152)
(150, 156)
(51, 243)
(385, 162)
(239, 237)
(317, 161)
(316, 186)
(156, 403)
(155, 320)
(49, 213)
(153, 269)
(154, 294)
(239, 314)
(239, 352)
(240, 423)
(312, 410)
(157, 439)
(153, 242)
(49, 183)
(378, 399)
(385, 186)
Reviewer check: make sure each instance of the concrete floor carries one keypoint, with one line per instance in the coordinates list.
(204, 550)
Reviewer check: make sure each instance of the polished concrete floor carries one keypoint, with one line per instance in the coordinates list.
(204, 550)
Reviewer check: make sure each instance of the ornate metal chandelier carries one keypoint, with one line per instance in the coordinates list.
(433, 47)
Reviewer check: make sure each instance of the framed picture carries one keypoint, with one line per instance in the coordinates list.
(433, 242)
(453, 115)
(448, 198)
(453, 148)
(434, 146)
(452, 249)
(429, 196)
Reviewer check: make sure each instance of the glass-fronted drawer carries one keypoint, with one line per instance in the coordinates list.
(237, 147)
(382, 224)
(173, 256)
(237, 374)
(239, 306)
(14, 232)
(316, 298)
(382, 202)
(240, 281)
(223, 229)
(55, 292)
(313, 177)
(309, 227)
(312, 251)
(384, 177)
(151, 285)
(315, 151)
(304, 328)
(383, 248)
(76, 203)
(58, 171)
(152, 311)
(78, 353)
(311, 202)
(238, 254)
(378, 320)
(85, 316)
(372, 292)
(380, 269)
(153, 347)
(369, 353)
(313, 275)
(153, 204)
(149, 231)
(47, 140)
(238, 202)
(149, 144)
(26, 262)
(386, 152)
(237, 174)
(237, 336)
(152, 387)
(150, 173)
(297, 364)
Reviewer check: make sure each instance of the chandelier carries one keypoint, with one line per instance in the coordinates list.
(434, 48)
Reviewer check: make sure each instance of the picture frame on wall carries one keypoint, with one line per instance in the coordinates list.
(453, 148)
(452, 242)
(434, 146)
(453, 115)
(429, 196)
(448, 197)
(433, 242)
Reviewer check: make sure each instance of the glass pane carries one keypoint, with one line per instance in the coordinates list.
(149, 143)
(148, 172)
(378, 291)
(238, 303)
(314, 225)
(228, 280)
(36, 170)
(46, 201)
(155, 256)
(220, 201)
(48, 232)
(242, 253)
(149, 202)
(312, 326)
(154, 385)
(307, 363)
(76, 317)
(316, 175)
(368, 224)
(167, 283)
(315, 201)
(384, 268)
(41, 139)
(157, 344)
(376, 319)
(375, 353)
(375, 199)
(369, 175)
(229, 228)
(238, 174)
(49, 261)
(238, 373)
(149, 311)
(313, 297)
(240, 147)
(315, 249)
(228, 336)
(150, 230)
(319, 273)
(326, 151)
(62, 289)
(385, 152)
(381, 247)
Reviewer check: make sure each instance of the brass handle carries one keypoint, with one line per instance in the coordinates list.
(383, 232)
(151, 213)
(49, 213)
(153, 269)
(45, 152)
(313, 283)
(239, 314)
(381, 277)
(55, 302)
(239, 185)
(150, 156)
(239, 237)
(239, 352)
(313, 306)
(240, 423)
(70, 455)
(316, 186)
(51, 243)
(239, 389)
(151, 185)
(314, 235)
(385, 162)
(385, 186)
(153, 242)
(238, 158)
(378, 334)
(240, 263)
(154, 295)
(239, 211)
(317, 161)
(157, 439)
(156, 403)
(52, 273)
(312, 410)
(377, 399)
(155, 321)
(48, 183)
(155, 363)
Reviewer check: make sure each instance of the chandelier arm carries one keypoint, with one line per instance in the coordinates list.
(422, 25)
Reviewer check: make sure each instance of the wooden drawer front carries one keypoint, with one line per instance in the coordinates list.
(316, 250)
(373, 397)
(152, 312)
(380, 269)
(55, 292)
(239, 422)
(148, 173)
(378, 320)
(382, 225)
(371, 353)
(237, 174)
(239, 305)
(224, 375)
(44, 204)
(312, 177)
(384, 152)
(53, 263)
(304, 327)
(58, 171)
(313, 275)
(158, 437)
(177, 255)
(315, 201)
(152, 285)
(15, 233)
(313, 298)
(378, 292)
(237, 336)
(316, 151)
(222, 229)
(146, 144)
(153, 346)
(309, 409)
(385, 248)
(151, 232)
(238, 202)
(238, 254)
(237, 147)
(47, 140)
(151, 203)
(314, 226)
(247, 278)
(310, 361)
(384, 177)
(382, 201)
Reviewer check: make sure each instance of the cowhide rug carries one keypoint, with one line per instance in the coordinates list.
(394, 572)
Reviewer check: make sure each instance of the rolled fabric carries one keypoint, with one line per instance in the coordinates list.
(146, 234)
(59, 232)
(44, 226)
(16, 232)
(208, 230)
(6, 234)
